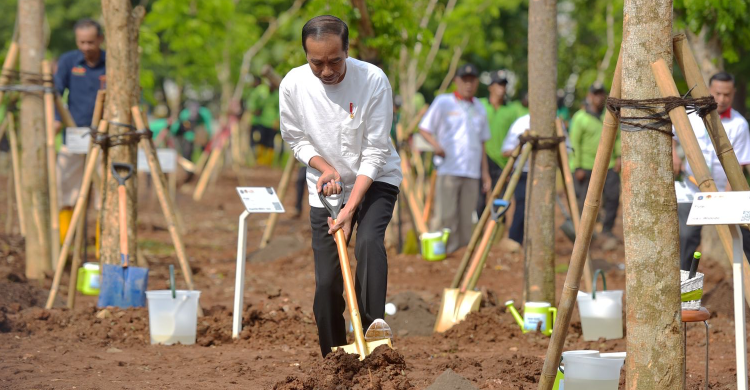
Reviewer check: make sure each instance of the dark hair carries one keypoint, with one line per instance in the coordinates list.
(322, 25)
(88, 23)
(721, 76)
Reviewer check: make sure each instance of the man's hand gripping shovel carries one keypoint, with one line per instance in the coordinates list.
(379, 333)
(457, 303)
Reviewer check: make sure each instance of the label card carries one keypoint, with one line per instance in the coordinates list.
(260, 199)
(77, 139)
(167, 159)
(684, 195)
(720, 208)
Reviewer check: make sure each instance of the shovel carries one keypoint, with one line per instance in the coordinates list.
(457, 303)
(122, 285)
(379, 333)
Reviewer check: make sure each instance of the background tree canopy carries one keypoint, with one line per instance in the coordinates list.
(200, 43)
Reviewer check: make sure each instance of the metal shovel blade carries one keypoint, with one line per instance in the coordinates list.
(455, 306)
(123, 286)
(378, 330)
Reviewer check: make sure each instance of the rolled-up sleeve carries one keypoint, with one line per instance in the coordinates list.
(291, 128)
(376, 142)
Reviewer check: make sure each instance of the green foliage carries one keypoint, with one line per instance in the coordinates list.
(729, 19)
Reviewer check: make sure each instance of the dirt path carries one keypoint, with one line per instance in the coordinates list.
(85, 348)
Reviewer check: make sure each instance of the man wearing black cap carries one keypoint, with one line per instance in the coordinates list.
(585, 133)
(500, 116)
(456, 127)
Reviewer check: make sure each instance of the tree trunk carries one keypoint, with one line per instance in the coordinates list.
(654, 350)
(366, 53)
(707, 52)
(33, 156)
(121, 23)
(539, 238)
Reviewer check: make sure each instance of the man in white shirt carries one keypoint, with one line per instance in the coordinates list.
(722, 87)
(336, 116)
(510, 143)
(456, 127)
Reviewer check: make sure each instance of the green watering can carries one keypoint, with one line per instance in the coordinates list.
(536, 315)
(433, 245)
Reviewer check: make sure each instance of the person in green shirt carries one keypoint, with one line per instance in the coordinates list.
(264, 104)
(183, 129)
(585, 133)
(500, 116)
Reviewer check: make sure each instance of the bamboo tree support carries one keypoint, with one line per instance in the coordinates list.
(479, 228)
(694, 155)
(724, 151)
(65, 117)
(575, 214)
(80, 238)
(566, 305)
(49, 117)
(166, 206)
(217, 149)
(286, 178)
(415, 208)
(418, 163)
(430, 196)
(91, 161)
(15, 160)
(11, 59)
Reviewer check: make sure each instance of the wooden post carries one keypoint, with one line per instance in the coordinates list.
(415, 207)
(575, 214)
(694, 155)
(217, 147)
(286, 178)
(539, 238)
(121, 23)
(13, 143)
(430, 196)
(34, 170)
(655, 353)
(583, 239)
(49, 116)
(161, 192)
(9, 64)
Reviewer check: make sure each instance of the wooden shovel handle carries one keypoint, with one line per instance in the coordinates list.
(477, 256)
(351, 296)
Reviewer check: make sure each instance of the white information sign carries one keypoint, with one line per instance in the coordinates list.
(167, 159)
(683, 192)
(77, 139)
(260, 199)
(720, 208)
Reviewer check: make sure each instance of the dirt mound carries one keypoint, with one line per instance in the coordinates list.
(413, 316)
(449, 380)
(383, 369)
(489, 324)
(280, 324)
(21, 295)
(720, 300)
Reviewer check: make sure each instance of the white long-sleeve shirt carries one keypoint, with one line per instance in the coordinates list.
(347, 124)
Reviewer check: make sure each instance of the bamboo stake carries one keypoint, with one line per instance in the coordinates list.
(566, 305)
(8, 65)
(166, 205)
(286, 178)
(91, 161)
(575, 214)
(65, 117)
(15, 160)
(430, 196)
(49, 116)
(479, 228)
(694, 155)
(724, 151)
(414, 207)
(418, 164)
(216, 152)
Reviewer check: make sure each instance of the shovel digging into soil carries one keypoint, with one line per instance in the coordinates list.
(379, 333)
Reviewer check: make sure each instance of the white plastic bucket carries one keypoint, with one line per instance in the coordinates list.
(601, 317)
(172, 320)
(592, 373)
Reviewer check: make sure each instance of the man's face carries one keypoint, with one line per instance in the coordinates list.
(723, 93)
(597, 99)
(88, 41)
(497, 89)
(327, 58)
(466, 86)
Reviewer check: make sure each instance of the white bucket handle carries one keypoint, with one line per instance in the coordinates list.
(604, 283)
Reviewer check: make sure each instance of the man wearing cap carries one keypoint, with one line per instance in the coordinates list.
(335, 113)
(585, 133)
(500, 116)
(456, 127)
(722, 87)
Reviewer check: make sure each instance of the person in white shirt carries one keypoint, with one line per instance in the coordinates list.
(510, 143)
(335, 113)
(456, 127)
(722, 87)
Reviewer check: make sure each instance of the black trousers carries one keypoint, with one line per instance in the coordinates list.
(610, 196)
(690, 237)
(371, 277)
(495, 172)
(301, 185)
(516, 230)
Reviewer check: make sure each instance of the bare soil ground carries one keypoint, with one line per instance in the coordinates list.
(87, 348)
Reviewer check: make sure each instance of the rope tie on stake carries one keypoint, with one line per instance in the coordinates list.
(659, 111)
(28, 82)
(106, 141)
(541, 143)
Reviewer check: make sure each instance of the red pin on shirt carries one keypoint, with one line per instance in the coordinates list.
(351, 110)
